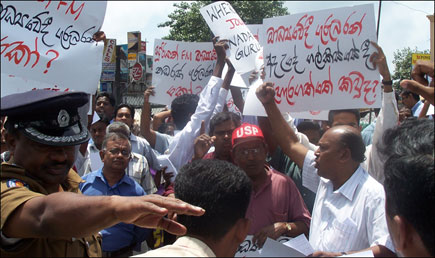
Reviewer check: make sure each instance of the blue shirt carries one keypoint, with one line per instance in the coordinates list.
(416, 109)
(120, 235)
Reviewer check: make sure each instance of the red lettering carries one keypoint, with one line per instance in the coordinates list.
(176, 91)
(300, 31)
(18, 51)
(235, 22)
(72, 11)
(354, 83)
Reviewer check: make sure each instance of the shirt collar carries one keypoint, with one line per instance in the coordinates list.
(415, 107)
(195, 243)
(133, 138)
(124, 179)
(348, 189)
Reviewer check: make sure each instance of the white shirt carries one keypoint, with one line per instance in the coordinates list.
(89, 162)
(388, 118)
(181, 148)
(351, 218)
(185, 246)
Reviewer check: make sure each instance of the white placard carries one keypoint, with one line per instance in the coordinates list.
(300, 244)
(320, 60)
(49, 45)
(226, 23)
(181, 67)
(271, 248)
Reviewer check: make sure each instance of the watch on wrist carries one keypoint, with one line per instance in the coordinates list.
(390, 82)
(288, 227)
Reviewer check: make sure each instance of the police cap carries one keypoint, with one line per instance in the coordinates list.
(48, 117)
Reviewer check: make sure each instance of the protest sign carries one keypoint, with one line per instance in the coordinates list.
(226, 23)
(320, 60)
(271, 248)
(181, 67)
(49, 45)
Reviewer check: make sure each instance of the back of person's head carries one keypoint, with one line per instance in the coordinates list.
(124, 105)
(219, 187)
(407, 93)
(333, 113)
(351, 138)
(108, 96)
(166, 128)
(223, 117)
(409, 176)
(308, 125)
(182, 107)
(118, 127)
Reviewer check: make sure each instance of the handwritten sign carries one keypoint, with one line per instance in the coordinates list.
(271, 248)
(49, 45)
(226, 23)
(320, 60)
(181, 67)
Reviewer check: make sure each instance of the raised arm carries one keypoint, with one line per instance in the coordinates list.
(288, 142)
(56, 215)
(419, 84)
(145, 118)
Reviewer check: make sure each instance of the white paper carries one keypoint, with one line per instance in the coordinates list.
(368, 253)
(300, 244)
(271, 248)
(50, 46)
(165, 162)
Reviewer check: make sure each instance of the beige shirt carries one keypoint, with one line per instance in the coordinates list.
(184, 247)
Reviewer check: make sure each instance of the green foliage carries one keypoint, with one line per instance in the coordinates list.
(403, 65)
(186, 22)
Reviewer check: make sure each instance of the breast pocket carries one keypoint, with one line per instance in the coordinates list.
(343, 233)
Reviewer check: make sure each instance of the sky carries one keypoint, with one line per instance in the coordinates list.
(402, 24)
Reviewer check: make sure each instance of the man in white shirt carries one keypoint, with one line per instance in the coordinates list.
(223, 190)
(348, 213)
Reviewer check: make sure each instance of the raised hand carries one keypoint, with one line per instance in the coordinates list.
(265, 93)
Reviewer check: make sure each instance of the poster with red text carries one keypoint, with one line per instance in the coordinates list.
(181, 67)
(49, 45)
(320, 60)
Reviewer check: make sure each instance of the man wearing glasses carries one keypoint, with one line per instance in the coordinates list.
(276, 207)
(120, 239)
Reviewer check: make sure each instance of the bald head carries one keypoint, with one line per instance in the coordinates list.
(349, 137)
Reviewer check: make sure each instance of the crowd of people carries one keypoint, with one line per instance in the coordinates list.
(81, 186)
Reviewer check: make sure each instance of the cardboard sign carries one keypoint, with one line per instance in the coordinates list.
(320, 60)
(181, 67)
(49, 45)
(226, 23)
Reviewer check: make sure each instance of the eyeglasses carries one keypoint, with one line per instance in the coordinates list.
(246, 152)
(116, 151)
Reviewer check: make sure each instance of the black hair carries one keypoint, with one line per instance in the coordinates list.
(182, 107)
(409, 176)
(122, 105)
(108, 96)
(223, 117)
(164, 127)
(308, 125)
(333, 113)
(353, 140)
(408, 92)
(221, 188)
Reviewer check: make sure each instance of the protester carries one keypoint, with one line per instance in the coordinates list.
(222, 126)
(276, 206)
(125, 113)
(311, 130)
(409, 187)
(223, 190)
(412, 101)
(90, 160)
(348, 213)
(118, 240)
(137, 168)
(105, 105)
(42, 209)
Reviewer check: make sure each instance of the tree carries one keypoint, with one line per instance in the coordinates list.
(403, 62)
(186, 22)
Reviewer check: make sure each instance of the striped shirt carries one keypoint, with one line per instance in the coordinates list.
(350, 218)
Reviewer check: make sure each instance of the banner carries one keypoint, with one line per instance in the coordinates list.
(181, 67)
(226, 23)
(320, 60)
(49, 45)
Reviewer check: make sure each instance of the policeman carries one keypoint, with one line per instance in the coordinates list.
(42, 210)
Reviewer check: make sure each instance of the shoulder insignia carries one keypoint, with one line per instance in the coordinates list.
(16, 183)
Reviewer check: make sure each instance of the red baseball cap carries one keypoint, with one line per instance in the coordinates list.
(246, 132)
